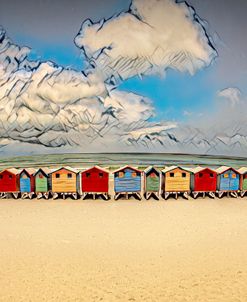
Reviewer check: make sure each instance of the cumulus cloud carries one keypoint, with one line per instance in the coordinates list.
(42, 103)
(149, 38)
(231, 94)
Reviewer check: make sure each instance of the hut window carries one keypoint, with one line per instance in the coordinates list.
(100, 175)
(211, 175)
(41, 175)
(226, 175)
(134, 174)
(183, 175)
(234, 175)
(69, 175)
(121, 174)
(10, 176)
(200, 175)
(1, 176)
(153, 175)
(172, 174)
(245, 176)
(87, 175)
(57, 175)
(24, 176)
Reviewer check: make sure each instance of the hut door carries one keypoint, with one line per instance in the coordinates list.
(234, 181)
(225, 181)
(25, 183)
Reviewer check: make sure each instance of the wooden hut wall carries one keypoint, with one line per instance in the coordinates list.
(177, 180)
(95, 180)
(27, 182)
(229, 181)
(204, 181)
(152, 181)
(127, 180)
(64, 181)
(41, 182)
(9, 182)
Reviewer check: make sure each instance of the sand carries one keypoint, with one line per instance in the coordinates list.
(68, 250)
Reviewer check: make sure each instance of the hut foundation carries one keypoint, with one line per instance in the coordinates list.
(127, 195)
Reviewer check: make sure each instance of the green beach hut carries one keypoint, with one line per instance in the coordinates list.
(243, 180)
(42, 183)
(152, 182)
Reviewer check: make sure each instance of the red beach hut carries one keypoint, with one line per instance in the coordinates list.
(204, 181)
(95, 181)
(9, 181)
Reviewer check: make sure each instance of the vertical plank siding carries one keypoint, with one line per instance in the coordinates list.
(229, 181)
(41, 182)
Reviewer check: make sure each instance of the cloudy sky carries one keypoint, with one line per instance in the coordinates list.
(183, 75)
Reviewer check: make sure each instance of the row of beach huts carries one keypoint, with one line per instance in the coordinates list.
(127, 181)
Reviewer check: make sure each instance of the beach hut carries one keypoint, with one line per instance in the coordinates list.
(95, 182)
(9, 183)
(42, 183)
(27, 182)
(64, 181)
(243, 180)
(228, 181)
(127, 181)
(203, 181)
(176, 180)
(152, 182)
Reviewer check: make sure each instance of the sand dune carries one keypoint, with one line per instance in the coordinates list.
(123, 251)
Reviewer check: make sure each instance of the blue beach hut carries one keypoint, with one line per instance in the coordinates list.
(127, 181)
(228, 180)
(27, 182)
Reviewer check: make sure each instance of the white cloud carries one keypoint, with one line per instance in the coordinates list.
(152, 36)
(231, 94)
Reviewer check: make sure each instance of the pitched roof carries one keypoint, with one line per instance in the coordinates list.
(242, 170)
(148, 169)
(126, 167)
(12, 170)
(223, 169)
(168, 169)
(200, 169)
(30, 171)
(45, 170)
(97, 167)
(66, 168)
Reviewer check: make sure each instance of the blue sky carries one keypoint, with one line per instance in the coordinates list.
(51, 38)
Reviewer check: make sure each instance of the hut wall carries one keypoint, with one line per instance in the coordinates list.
(41, 182)
(127, 181)
(152, 181)
(64, 181)
(229, 181)
(175, 182)
(244, 182)
(95, 181)
(27, 182)
(9, 182)
(205, 181)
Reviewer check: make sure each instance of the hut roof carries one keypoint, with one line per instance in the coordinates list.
(150, 168)
(171, 168)
(97, 167)
(242, 170)
(45, 170)
(126, 167)
(200, 169)
(223, 169)
(73, 170)
(30, 171)
(12, 170)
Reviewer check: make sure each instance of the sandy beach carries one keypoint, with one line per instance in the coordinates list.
(68, 250)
